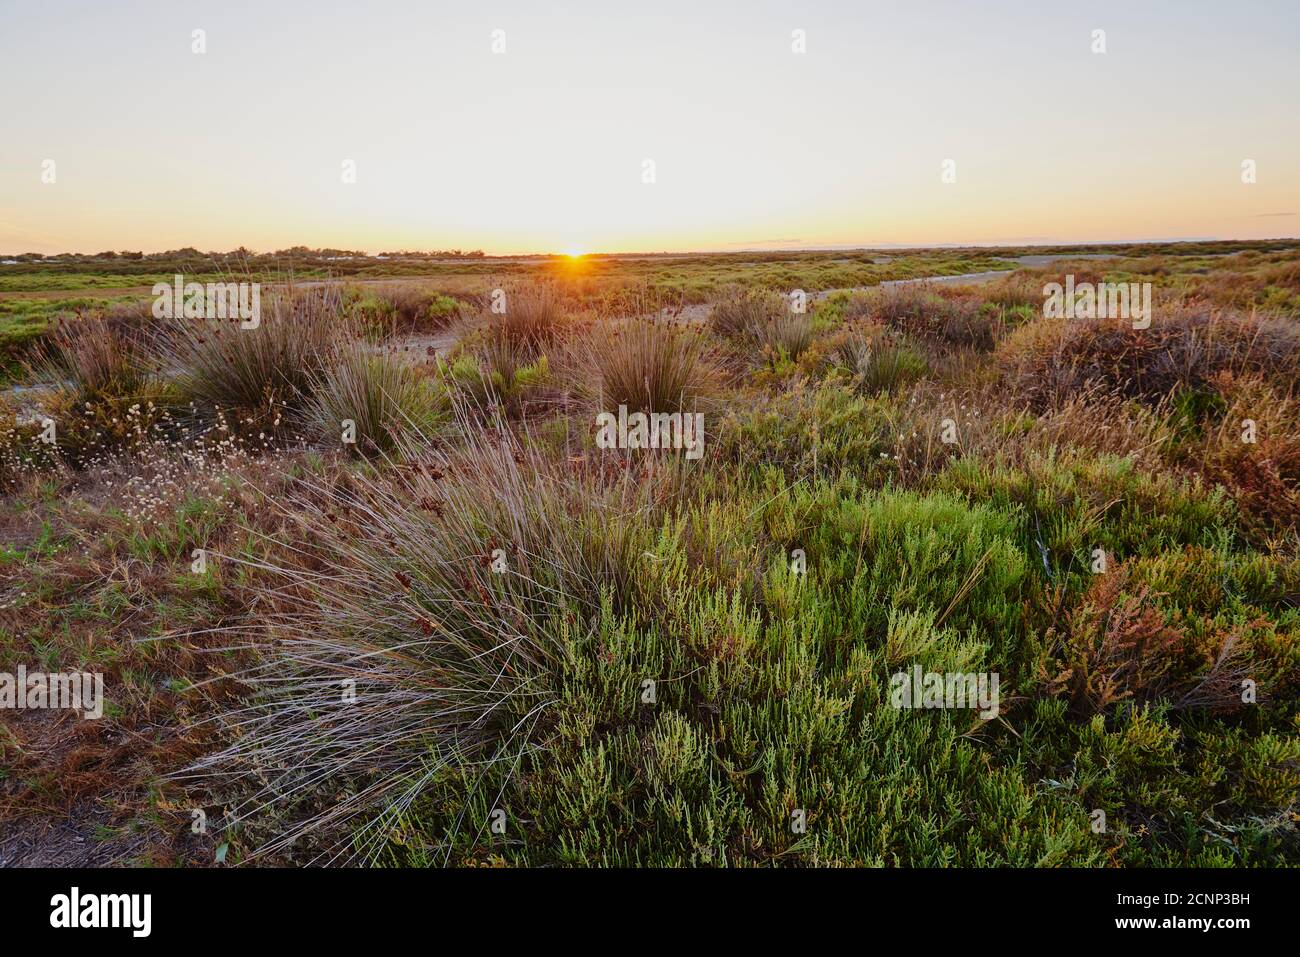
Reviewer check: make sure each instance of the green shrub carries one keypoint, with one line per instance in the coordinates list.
(894, 553)
(501, 374)
(1064, 506)
(807, 430)
(755, 713)
(404, 307)
(1172, 796)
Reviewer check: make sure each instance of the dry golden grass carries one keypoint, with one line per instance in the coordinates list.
(101, 358)
(1185, 347)
(648, 365)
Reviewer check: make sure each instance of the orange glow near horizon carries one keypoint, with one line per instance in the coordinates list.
(574, 138)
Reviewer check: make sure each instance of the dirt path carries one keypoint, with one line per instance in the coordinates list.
(421, 347)
(699, 312)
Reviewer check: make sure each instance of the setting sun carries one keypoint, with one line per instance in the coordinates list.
(683, 435)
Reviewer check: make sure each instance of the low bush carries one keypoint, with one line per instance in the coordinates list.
(915, 308)
(1186, 347)
(500, 374)
(405, 307)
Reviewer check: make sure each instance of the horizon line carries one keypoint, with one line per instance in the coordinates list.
(831, 247)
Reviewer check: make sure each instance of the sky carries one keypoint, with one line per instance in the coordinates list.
(641, 127)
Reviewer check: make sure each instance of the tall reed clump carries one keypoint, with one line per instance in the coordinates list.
(421, 631)
(380, 396)
(742, 313)
(762, 324)
(97, 357)
(531, 315)
(788, 337)
(221, 364)
(649, 366)
(877, 360)
(502, 366)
